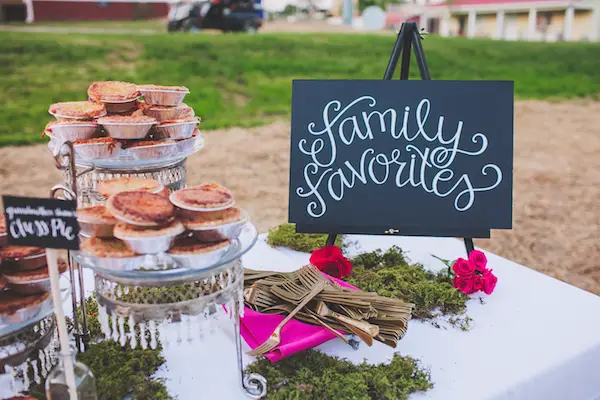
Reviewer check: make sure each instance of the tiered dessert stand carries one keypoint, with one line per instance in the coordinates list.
(156, 299)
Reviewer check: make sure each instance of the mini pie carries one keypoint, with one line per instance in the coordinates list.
(78, 109)
(193, 220)
(165, 192)
(141, 208)
(102, 147)
(106, 140)
(111, 248)
(203, 197)
(96, 221)
(21, 277)
(11, 302)
(146, 143)
(2, 224)
(113, 186)
(17, 253)
(163, 88)
(126, 119)
(95, 215)
(190, 246)
(112, 91)
(128, 231)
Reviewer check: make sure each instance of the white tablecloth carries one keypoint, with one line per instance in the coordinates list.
(534, 338)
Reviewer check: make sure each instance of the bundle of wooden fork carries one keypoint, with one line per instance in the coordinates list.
(310, 297)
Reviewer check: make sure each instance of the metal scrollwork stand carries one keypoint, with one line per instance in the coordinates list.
(65, 161)
(253, 384)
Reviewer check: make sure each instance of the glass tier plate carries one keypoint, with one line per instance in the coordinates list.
(160, 269)
(25, 318)
(134, 158)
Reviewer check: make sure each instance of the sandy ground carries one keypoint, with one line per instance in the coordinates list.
(556, 190)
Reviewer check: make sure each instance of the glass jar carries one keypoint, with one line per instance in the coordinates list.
(56, 383)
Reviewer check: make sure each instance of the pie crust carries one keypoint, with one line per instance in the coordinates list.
(194, 220)
(112, 91)
(77, 109)
(165, 192)
(114, 186)
(128, 231)
(141, 208)
(147, 143)
(2, 224)
(190, 246)
(61, 121)
(100, 140)
(11, 302)
(163, 88)
(102, 247)
(17, 253)
(95, 215)
(21, 277)
(126, 119)
(179, 121)
(203, 197)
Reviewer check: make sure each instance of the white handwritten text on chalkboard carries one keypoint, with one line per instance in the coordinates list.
(427, 167)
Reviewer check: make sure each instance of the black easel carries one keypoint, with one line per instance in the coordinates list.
(408, 37)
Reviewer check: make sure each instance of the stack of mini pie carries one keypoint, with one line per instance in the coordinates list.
(140, 217)
(116, 120)
(24, 278)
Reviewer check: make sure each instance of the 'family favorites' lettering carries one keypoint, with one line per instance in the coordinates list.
(429, 168)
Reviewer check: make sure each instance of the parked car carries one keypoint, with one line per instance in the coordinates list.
(225, 15)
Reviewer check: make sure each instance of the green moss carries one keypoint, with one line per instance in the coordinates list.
(391, 275)
(286, 236)
(314, 375)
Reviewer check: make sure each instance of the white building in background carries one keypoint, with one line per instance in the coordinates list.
(539, 20)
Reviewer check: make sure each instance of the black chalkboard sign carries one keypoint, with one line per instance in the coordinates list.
(47, 223)
(418, 158)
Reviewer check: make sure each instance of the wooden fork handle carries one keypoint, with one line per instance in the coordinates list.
(372, 330)
(316, 290)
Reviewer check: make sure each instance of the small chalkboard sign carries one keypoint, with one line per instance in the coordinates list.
(47, 223)
(417, 158)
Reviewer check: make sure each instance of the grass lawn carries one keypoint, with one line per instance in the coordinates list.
(240, 80)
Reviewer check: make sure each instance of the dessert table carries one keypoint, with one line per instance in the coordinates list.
(534, 338)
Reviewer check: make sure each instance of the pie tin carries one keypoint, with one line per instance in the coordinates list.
(77, 131)
(127, 130)
(219, 233)
(165, 114)
(188, 145)
(149, 245)
(96, 150)
(112, 263)
(162, 97)
(36, 286)
(202, 260)
(119, 107)
(25, 314)
(99, 229)
(191, 208)
(155, 151)
(175, 130)
(62, 116)
(30, 262)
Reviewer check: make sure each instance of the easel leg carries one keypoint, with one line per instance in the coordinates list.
(469, 246)
(331, 239)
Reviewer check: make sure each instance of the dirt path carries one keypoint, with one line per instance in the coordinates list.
(556, 194)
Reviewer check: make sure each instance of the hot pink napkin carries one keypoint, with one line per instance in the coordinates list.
(296, 336)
